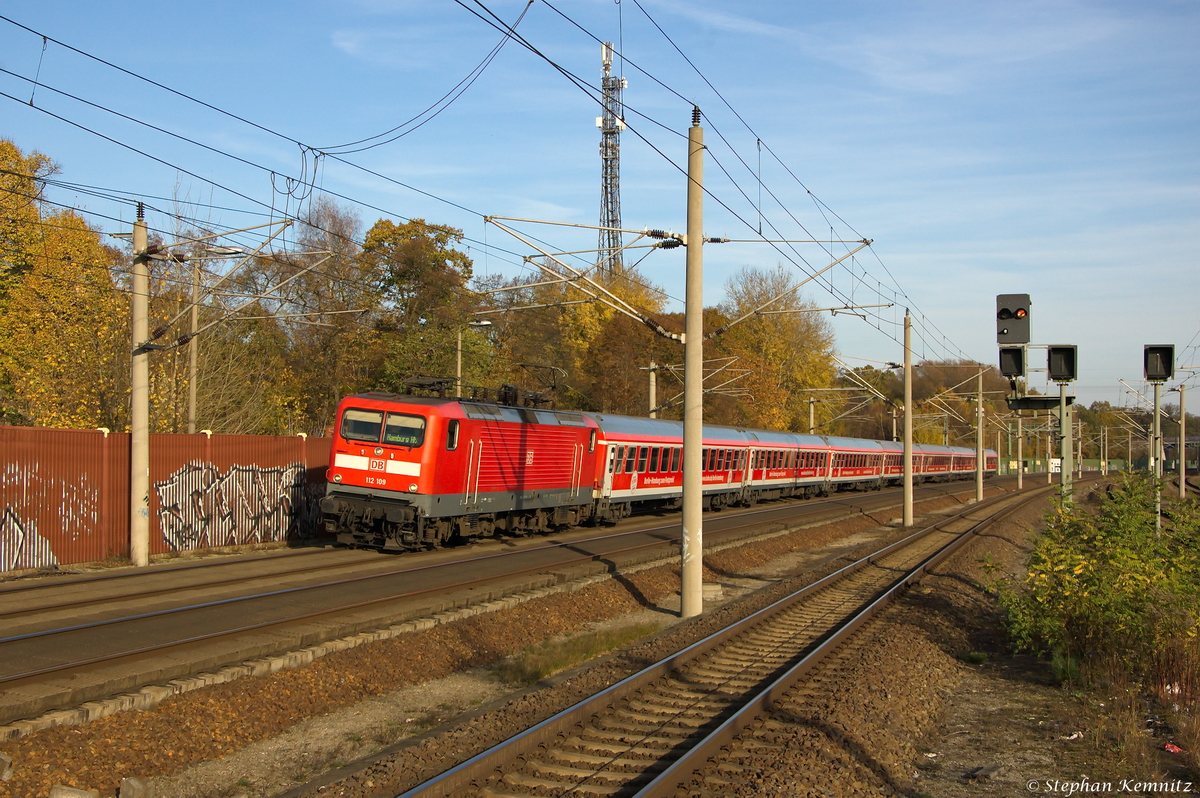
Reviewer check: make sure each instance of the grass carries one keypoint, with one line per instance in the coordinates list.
(552, 656)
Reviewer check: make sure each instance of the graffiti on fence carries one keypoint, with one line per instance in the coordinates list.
(21, 546)
(200, 507)
(24, 495)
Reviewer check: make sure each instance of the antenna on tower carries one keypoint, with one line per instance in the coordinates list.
(608, 259)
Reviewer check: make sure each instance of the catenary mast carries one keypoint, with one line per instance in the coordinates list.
(608, 259)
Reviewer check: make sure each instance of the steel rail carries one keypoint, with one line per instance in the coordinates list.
(142, 594)
(87, 580)
(474, 770)
(764, 702)
(555, 544)
(344, 607)
(292, 619)
(7, 589)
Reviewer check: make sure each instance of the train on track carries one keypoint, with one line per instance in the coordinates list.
(411, 472)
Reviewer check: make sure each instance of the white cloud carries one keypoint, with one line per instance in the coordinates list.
(950, 49)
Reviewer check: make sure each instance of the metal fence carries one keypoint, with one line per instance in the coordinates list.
(64, 494)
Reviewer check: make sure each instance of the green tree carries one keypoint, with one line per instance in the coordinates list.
(424, 299)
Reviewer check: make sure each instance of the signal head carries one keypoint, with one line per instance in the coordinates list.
(1158, 362)
(1012, 318)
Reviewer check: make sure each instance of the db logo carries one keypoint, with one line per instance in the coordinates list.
(529, 458)
(377, 465)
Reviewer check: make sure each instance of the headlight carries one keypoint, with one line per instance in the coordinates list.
(412, 488)
(337, 477)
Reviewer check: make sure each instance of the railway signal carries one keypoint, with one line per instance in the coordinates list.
(1012, 318)
(1158, 366)
(1012, 361)
(1061, 362)
(1158, 362)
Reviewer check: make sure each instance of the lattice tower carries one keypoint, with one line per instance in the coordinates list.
(608, 259)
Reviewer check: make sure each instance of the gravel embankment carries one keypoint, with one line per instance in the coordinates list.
(367, 698)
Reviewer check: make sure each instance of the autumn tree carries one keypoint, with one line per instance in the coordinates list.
(423, 298)
(870, 398)
(21, 225)
(330, 314)
(787, 352)
(63, 331)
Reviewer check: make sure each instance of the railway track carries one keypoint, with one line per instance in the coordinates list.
(220, 613)
(648, 734)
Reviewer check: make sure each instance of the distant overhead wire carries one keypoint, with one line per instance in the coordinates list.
(427, 115)
(821, 206)
(305, 148)
(305, 183)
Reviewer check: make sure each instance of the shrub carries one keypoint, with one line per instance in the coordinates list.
(1105, 587)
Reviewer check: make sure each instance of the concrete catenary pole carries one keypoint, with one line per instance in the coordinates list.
(139, 400)
(1183, 441)
(193, 348)
(908, 421)
(653, 389)
(979, 437)
(812, 416)
(1066, 445)
(1049, 454)
(1020, 455)
(458, 364)
(1156, 455)
(692, 563)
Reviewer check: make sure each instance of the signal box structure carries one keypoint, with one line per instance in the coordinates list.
(1158, 362)
(1012, 318)
(1061, 362)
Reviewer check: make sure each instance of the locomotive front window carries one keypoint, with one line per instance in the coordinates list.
(361, 425)
(404, 430)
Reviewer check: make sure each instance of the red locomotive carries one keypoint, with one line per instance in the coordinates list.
(409, 473)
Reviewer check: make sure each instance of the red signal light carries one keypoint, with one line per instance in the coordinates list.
(1021, 313)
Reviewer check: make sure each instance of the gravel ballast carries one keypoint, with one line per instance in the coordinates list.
(261, 736)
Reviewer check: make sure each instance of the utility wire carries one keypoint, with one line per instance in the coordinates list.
(448, 99)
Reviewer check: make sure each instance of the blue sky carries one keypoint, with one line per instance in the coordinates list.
(1049, 148)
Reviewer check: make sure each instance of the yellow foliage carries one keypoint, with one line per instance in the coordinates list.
(62, 325)
(785, 352)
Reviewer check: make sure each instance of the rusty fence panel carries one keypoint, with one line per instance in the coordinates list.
(233, 490)
(64, 494)
(63, 497)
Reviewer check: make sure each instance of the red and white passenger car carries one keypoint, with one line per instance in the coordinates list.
(408, 472)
